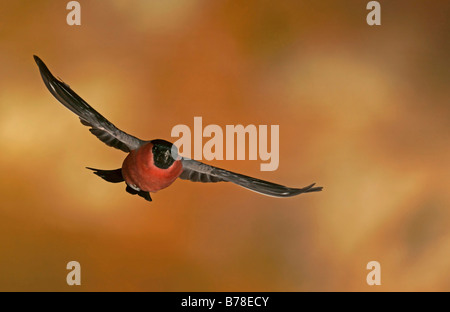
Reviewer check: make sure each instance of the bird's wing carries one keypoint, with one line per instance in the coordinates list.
(199, 172)
(100, 126)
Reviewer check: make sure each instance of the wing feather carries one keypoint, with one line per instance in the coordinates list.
(199, 172)
(100, 126)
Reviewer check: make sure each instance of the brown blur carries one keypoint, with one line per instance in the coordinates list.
(363, 111)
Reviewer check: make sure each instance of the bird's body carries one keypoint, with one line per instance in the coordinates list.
(141, 173)
(153, 165)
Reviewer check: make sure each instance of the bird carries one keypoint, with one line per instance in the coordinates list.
(151, 165)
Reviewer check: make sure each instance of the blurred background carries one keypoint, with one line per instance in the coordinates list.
(363, 111)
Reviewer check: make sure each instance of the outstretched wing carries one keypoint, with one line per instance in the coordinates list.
(199, 172)
(100, 126)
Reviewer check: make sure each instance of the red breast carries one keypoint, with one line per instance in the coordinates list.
(139, 170)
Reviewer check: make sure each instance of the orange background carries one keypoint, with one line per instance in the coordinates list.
(363, 111)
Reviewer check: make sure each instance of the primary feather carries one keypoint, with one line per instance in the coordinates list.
(100, 126)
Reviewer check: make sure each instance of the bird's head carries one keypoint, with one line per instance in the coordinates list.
(164, 153)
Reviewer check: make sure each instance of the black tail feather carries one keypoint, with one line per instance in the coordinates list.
(113, 176)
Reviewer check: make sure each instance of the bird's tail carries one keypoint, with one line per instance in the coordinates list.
(113, 176)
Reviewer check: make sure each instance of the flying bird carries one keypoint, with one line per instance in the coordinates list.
(151, 166)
